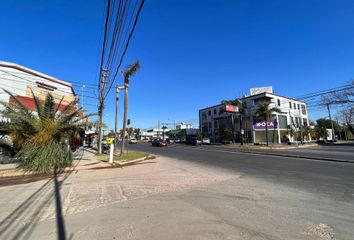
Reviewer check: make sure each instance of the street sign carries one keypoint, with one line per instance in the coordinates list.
(231, 108)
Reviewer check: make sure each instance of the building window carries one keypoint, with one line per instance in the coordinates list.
(278, 102)
(215, 124)
(290, 105)
(283, 123)
(294, 105)
(304, 121)
(203, 115)
(214, 111)
(298, 106)
(209, 112)
(303, 108)
(209, 126)
(221, 110)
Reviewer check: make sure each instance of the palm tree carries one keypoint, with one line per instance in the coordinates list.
(266, 113)
(40, 136)
(129, 72)
(242, 111)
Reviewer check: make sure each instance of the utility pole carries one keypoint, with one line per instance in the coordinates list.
(330, 118)
(100, 109)
(82, 96)
(158, 128)
(116, 117)
(125, 116)
(300, 122)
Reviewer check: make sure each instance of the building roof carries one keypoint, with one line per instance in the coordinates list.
(36, 73)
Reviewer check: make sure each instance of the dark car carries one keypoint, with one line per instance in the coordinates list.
(159, 143)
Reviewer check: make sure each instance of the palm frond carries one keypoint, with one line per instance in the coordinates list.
(38, 103)
(131, 70)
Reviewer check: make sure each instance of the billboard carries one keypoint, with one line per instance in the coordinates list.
(255, 91)
(231, 108)
(259, 124)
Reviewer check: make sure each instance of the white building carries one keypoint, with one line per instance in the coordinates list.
(21, 81)
(183, 126)
(293, 116)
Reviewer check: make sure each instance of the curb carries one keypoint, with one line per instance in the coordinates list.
(293, 156)
(121, 164)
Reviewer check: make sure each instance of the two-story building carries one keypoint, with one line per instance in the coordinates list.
(22, 81)
(293, 117)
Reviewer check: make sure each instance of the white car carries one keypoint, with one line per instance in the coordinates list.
(206, 141)
(133, 141)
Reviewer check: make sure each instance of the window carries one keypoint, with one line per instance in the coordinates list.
(298, 106)
(303, 108)
(209, 112)
(209, 125)
(294, 105)
(214, 111)
(221, 110)
(304, 121)
(290, 105)
(283, 123)
(279, 102)
(215, 124)
(203, 115)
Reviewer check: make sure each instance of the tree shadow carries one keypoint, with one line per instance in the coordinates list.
(22, 221)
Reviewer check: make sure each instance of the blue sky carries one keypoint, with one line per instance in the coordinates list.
(193, 53)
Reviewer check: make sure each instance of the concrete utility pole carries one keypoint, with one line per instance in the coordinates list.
(330, 118)
(116, 117)
(100, 109)
(300, 122)
(126, 86)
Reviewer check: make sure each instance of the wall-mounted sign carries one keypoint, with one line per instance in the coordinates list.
(259, 124)
(255, 91)
(231, 108)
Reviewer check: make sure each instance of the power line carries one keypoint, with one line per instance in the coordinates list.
(126, 46)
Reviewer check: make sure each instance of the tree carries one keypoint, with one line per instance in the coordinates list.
(225, 133)
(326, 123)
(40, 137)
(345, 96)
(347, 116)
(129, 72)
(266, 113)
(242, 110)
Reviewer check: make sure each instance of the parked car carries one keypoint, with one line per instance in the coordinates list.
(169, 141)
(193, 140)
(206, 141)
(133, 141)
(159, 142)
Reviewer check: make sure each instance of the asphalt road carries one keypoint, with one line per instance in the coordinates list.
(332, 178)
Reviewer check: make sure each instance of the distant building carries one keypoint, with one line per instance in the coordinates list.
(183, 126)
(294, 115)
(21, 81)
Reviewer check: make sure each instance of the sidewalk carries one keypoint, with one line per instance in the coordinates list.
(93, 184)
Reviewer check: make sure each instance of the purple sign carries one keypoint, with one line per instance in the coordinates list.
(259, 124)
